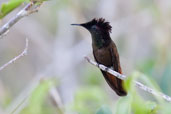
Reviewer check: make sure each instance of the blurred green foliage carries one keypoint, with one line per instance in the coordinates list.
(93, 100)
(104, 109)
(10, 6)
(37, 98)
(149, 67)
(87, 100)
(134, 102)
(165, 82)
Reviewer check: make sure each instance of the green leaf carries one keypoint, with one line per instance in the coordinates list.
(37, 98)
(129, 82)
(88, 99)
(152, 84)
(138, 104)
(123, 105)
(10, 6)
(104, 110)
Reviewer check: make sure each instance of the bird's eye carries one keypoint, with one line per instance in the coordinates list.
(94, 27)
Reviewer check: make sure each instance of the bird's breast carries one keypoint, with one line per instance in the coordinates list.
(103, 56)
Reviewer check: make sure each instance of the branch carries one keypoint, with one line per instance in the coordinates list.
(56, 99)
(27, 10)
(123, 77)
(17, 57)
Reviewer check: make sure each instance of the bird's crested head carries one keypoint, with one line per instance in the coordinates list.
(97, 25)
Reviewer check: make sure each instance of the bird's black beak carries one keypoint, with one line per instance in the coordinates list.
(82, 25)
(77, 24)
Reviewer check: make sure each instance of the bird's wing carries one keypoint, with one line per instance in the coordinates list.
(114, 82)
(117, 68)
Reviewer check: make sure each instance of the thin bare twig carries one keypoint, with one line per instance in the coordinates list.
(27, 10)
(123, 77)
(20, 106)
(17, 57)
(57, 100)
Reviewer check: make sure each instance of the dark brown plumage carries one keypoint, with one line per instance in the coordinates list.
(105, 52)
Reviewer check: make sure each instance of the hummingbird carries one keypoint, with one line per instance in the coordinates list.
(105, 51)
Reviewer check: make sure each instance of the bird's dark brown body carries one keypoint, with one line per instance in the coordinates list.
(109, 57)
(105, 52)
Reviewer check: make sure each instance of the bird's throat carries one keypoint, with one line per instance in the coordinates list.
(100, 41)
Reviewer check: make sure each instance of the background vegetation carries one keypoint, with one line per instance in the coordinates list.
(55, 60)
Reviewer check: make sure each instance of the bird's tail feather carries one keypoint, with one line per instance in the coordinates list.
(115, 83)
